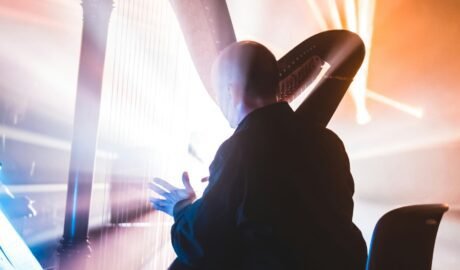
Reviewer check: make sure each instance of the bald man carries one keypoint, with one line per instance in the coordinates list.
(280, 191)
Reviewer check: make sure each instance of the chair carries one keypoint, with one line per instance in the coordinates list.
(404, 238)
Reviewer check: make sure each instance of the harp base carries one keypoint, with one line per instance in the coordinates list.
(73, 254)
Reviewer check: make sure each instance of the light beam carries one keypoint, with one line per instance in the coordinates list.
(335, 15)
(414, 111)
(317, 14)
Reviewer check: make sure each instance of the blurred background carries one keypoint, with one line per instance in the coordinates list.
(400, 120)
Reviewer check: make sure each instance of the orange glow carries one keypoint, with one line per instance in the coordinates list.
(335, 15)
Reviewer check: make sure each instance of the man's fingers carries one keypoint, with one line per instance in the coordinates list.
(186, 182)
(164, 184)
(157, 189)
(162, 205)
(159, 204)
(159, 208)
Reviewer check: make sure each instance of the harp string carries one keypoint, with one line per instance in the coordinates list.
(162, 69)
(125, 112)
(144, 86)
(147, 112)
(111, 132)
(153, 234)
(140, 104)
(110, 235)
(107, 109)
(145, 175)
(144, 111)
(118, 185)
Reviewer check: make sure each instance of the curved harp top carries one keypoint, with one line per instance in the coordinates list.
(342, 51)
(208, 29)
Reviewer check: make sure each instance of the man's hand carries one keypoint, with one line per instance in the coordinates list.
(171, 194)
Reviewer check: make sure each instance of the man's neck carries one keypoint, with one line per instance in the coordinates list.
(245, 108)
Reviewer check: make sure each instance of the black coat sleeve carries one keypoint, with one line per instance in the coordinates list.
(338, 195)
(204, 234)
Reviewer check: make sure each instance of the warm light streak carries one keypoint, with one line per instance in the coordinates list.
(365, 28)
(358, 93)
(335, 15)
(38, 18)
(414, 111)
(300, 98)
(366, 20)
(361, 24)
(317, 14)
(350, 15)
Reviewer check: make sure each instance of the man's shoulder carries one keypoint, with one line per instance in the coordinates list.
(319, 134)
(232, 147)
(330, 138)
(236, 139)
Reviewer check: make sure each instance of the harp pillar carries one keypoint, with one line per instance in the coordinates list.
(74, 248)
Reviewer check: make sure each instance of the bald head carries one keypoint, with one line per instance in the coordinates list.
(245, 76)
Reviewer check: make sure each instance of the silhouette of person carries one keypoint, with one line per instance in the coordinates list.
(280, 190)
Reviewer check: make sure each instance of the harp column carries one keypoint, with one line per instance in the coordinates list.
(96, 16)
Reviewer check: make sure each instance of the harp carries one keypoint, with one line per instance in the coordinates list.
(207, 29)
(126, 84)
(108, 109)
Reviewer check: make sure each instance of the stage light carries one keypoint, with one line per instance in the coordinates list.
(336, 21)
(300, 98)
(45, 141)
(364, 27)
(350, 16)
(362, 115)
(14, 253)
(414, 111)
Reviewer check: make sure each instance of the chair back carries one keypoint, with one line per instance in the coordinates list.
(404, 238)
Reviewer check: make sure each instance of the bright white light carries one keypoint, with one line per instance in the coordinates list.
(362, 115)
(16, 250)
(350, 15)
(45, 141)
(358, 93)
(296, 102)
(414, 111)
(335, 15)
(365, 28)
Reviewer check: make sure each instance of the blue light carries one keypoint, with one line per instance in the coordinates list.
(74, 207)
(1, 166)
(14, 249)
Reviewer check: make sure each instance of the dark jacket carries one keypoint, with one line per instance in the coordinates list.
(279, 197)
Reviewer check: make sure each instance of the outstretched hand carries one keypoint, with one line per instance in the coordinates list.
(171, 194)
